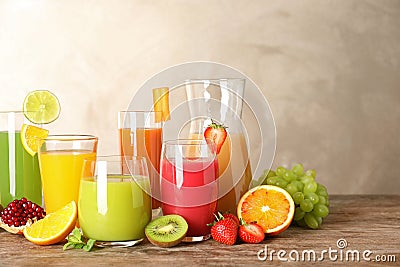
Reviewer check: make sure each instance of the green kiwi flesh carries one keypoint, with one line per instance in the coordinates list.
(166, 231)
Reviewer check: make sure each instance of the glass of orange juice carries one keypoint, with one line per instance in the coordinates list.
(61, 159)
(140, 134)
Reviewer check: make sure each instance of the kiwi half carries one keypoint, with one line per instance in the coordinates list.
(166, 231)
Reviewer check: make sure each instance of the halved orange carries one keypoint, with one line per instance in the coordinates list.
(53, 228)
(31, 137)
(161, 103)
(270, 206)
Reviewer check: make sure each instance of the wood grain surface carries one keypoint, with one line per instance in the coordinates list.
(365, 222)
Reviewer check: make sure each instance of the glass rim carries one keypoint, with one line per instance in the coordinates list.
(139, 111)
(215, 79)
(120, 157)
(187, 142)
(70, 137)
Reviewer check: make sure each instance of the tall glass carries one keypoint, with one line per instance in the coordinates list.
(19, 171)
(113, 205)
(221, 100)
(189, 169)
(140, 134)
(61, 159)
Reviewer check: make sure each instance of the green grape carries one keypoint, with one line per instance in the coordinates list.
(281, 182)
(321, 190)
(327, 201)
(320, 210)
(298, 214)
(312, 196)
(298, 197)
(306, 179)
(310, 188)
(306, 205)
(289, 176)
(291, 188)
(299, 185)
(280, 171)
(311, 173)
(269, 173)
(319, 220)
(310, 220)
(322, 200)
(272, 180)
(298, 169)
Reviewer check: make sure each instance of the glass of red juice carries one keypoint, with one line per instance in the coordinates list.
(189, 169)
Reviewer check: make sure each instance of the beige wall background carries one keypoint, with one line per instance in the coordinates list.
(329, 69)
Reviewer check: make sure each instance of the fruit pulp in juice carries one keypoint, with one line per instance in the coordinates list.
(191, 192)
(123, 216)
(23, 180)
(144, 142)
(61, 173)
(234, 171)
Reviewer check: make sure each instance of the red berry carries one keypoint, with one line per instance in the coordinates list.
(224, 230)
(251, 233)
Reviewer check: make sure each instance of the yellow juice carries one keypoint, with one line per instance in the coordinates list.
(234, 171)
(61, 172)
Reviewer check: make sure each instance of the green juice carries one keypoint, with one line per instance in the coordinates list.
(26, 178)
(124, 212)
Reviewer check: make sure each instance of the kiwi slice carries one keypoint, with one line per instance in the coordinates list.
(166, 231)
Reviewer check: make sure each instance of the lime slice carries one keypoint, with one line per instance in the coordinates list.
(41, 107)
(31, 138)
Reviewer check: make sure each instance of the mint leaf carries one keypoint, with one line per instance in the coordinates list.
(75, 241)
(89, 245)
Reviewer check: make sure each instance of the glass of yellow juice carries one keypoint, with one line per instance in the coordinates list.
(114, 205)
(61, 159)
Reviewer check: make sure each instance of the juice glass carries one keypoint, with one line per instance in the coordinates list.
(113, 205)
(189, 169)
(19, 171)
(61, 159)
(140, 134)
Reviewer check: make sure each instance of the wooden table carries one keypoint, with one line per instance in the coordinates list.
(364, 222)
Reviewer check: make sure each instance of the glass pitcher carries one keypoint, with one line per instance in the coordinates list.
(221, 100)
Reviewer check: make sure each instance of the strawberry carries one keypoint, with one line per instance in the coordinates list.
(224, 230)
(251, 232)
(216, 133)
(233, 217)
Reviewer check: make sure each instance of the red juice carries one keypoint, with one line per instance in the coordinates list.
(190, 190)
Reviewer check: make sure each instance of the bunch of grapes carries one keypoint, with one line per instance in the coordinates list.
(310, 197)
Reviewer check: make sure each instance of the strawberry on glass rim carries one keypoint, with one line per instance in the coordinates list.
(216, 133)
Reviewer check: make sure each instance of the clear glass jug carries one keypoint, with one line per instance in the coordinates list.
(221, 100)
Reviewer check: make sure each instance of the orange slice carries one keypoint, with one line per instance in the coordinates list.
(53, 228)
(270, 206)
(161, 103)
(31, 137)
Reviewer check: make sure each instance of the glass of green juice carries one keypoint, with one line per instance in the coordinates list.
(114, 205)
(19, 171)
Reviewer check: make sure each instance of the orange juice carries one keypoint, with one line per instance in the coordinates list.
(234, 171)
(145, 142)
(61, 172)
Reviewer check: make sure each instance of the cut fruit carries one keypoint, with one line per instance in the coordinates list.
(41, 107)
(31, 138)
(53, 228)
(269, 206)
(161, 103)
(167, 231)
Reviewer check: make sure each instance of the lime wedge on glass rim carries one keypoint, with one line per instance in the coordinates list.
(41, 107)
